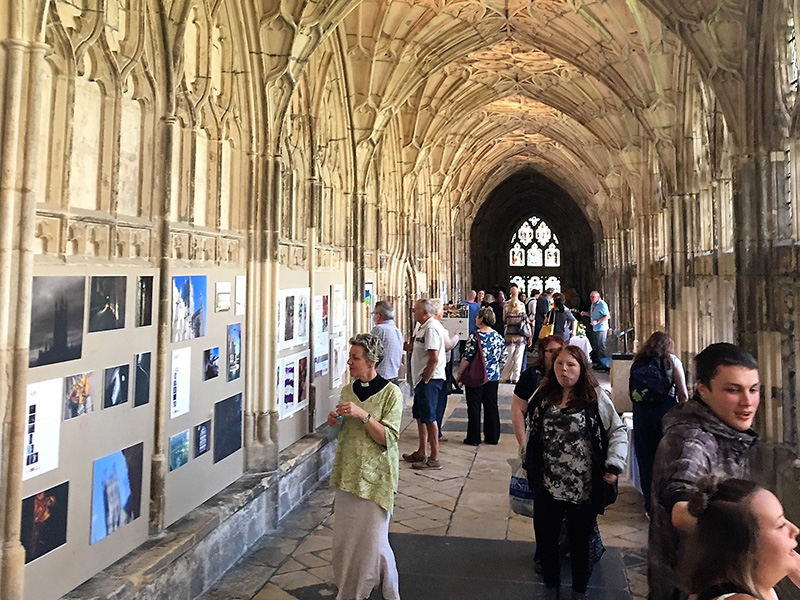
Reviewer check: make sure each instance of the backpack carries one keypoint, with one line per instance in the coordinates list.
(649, 381)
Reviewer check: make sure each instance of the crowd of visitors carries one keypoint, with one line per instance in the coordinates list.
(713, 535)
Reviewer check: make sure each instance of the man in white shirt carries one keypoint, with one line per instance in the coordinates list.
(428, 378)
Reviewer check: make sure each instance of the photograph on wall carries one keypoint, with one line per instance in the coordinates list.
(338, 361)
(321, 336)
(369, 301)
(107, 303)
(223, 296)
(178, 450)
(144, 301)
(279, 385)
(337, 307)
(56, 320)
(116, 491)
(115, 386)
(321, 363)
(189, 302)
(289, 384)
(303, 313)
(180, 382)
(288, 320)
(241, 295)
(141, 379)
(234, 351)
(325, 314)
(78, 390)
(227, 427)
(44, 521)
(43, 429)
(302, 380)
(210, 363)
(202, 438)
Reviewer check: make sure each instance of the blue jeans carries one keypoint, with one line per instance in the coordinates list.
(647, 419)
(600, 348)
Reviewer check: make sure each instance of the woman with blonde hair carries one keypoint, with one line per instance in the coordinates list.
(517, 335)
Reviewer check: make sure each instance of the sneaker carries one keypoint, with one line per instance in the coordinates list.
(414, 457)
(428, 464)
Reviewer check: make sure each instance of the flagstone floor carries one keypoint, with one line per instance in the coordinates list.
(467, 501)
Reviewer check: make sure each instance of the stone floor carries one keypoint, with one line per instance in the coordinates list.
(467, 500)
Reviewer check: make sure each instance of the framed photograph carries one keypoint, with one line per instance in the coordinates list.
(234, 351)
(227, 427)
(56, 320)
(288, 399)
(202, 438)
(303, 312)
(211, 363)
(189, 305)
(337, 308)
(223, 296)
(43, 409)
(180, 382)
(44, 521)
(116, 491)
(144, 301)
(107, 303)
(141, 379)
(78, 390)
(178, 450)
(302, 379)
(115, 386)
(288, 321)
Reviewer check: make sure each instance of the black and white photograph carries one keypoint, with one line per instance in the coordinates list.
(288, 319)
(115, 386)
(234, 351)
(56, 320)
(107, 303)
(202, 438)
(223, 296)
(227, 427)
(79, 391)
(44, 521)
(141, 379)
(211, 363)
(144, 301)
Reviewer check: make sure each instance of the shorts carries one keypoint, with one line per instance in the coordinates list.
(426, 398)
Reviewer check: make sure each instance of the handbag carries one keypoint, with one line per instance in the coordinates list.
(475, 373)
(520, 495)
(547, 328)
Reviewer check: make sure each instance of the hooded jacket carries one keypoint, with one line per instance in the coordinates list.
(695, 443)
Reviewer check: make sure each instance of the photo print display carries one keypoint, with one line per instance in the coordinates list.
(144, 301)
(337, 308)
(369, 300)
(78, 395)
(303, 299)
(180, 382)
(116, 491)
(241, 295)
(178, 450)
(294, 311)
(43, 429)
(288, 401)
(56, 320)
(227, 427)
(211, 363)
(202, 438)
(321, 336)
(189, 302)
(107, 303)
(115, 386)
(44, 521)
(302, 380)
(141, 379)
(234, 351)
(223, 296)
(288, 320)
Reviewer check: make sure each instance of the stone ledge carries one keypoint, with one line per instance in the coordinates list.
(193, 553)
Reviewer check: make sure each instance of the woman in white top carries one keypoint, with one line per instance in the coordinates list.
(742, 545)
(657, 383)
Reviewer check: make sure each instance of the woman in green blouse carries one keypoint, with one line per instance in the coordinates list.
(365, 474)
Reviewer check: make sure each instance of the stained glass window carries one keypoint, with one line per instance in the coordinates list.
(532, 252)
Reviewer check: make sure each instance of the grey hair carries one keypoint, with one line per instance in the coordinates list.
(385, 310)
(372, 345)
(426, 304)
(437, 305)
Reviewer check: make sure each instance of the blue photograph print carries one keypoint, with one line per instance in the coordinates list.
(234, 351)
(189, 307)
(178, 450)
(116, 491)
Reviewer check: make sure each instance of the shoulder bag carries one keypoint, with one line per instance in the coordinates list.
(547, 328)
(475, 373)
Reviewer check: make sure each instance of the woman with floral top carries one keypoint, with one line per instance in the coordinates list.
(494, 353)
(365, 472)
(576, 449)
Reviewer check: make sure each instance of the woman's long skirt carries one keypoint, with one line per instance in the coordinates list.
(362, 556)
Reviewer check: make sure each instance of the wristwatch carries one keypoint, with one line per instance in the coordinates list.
(367, 418)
